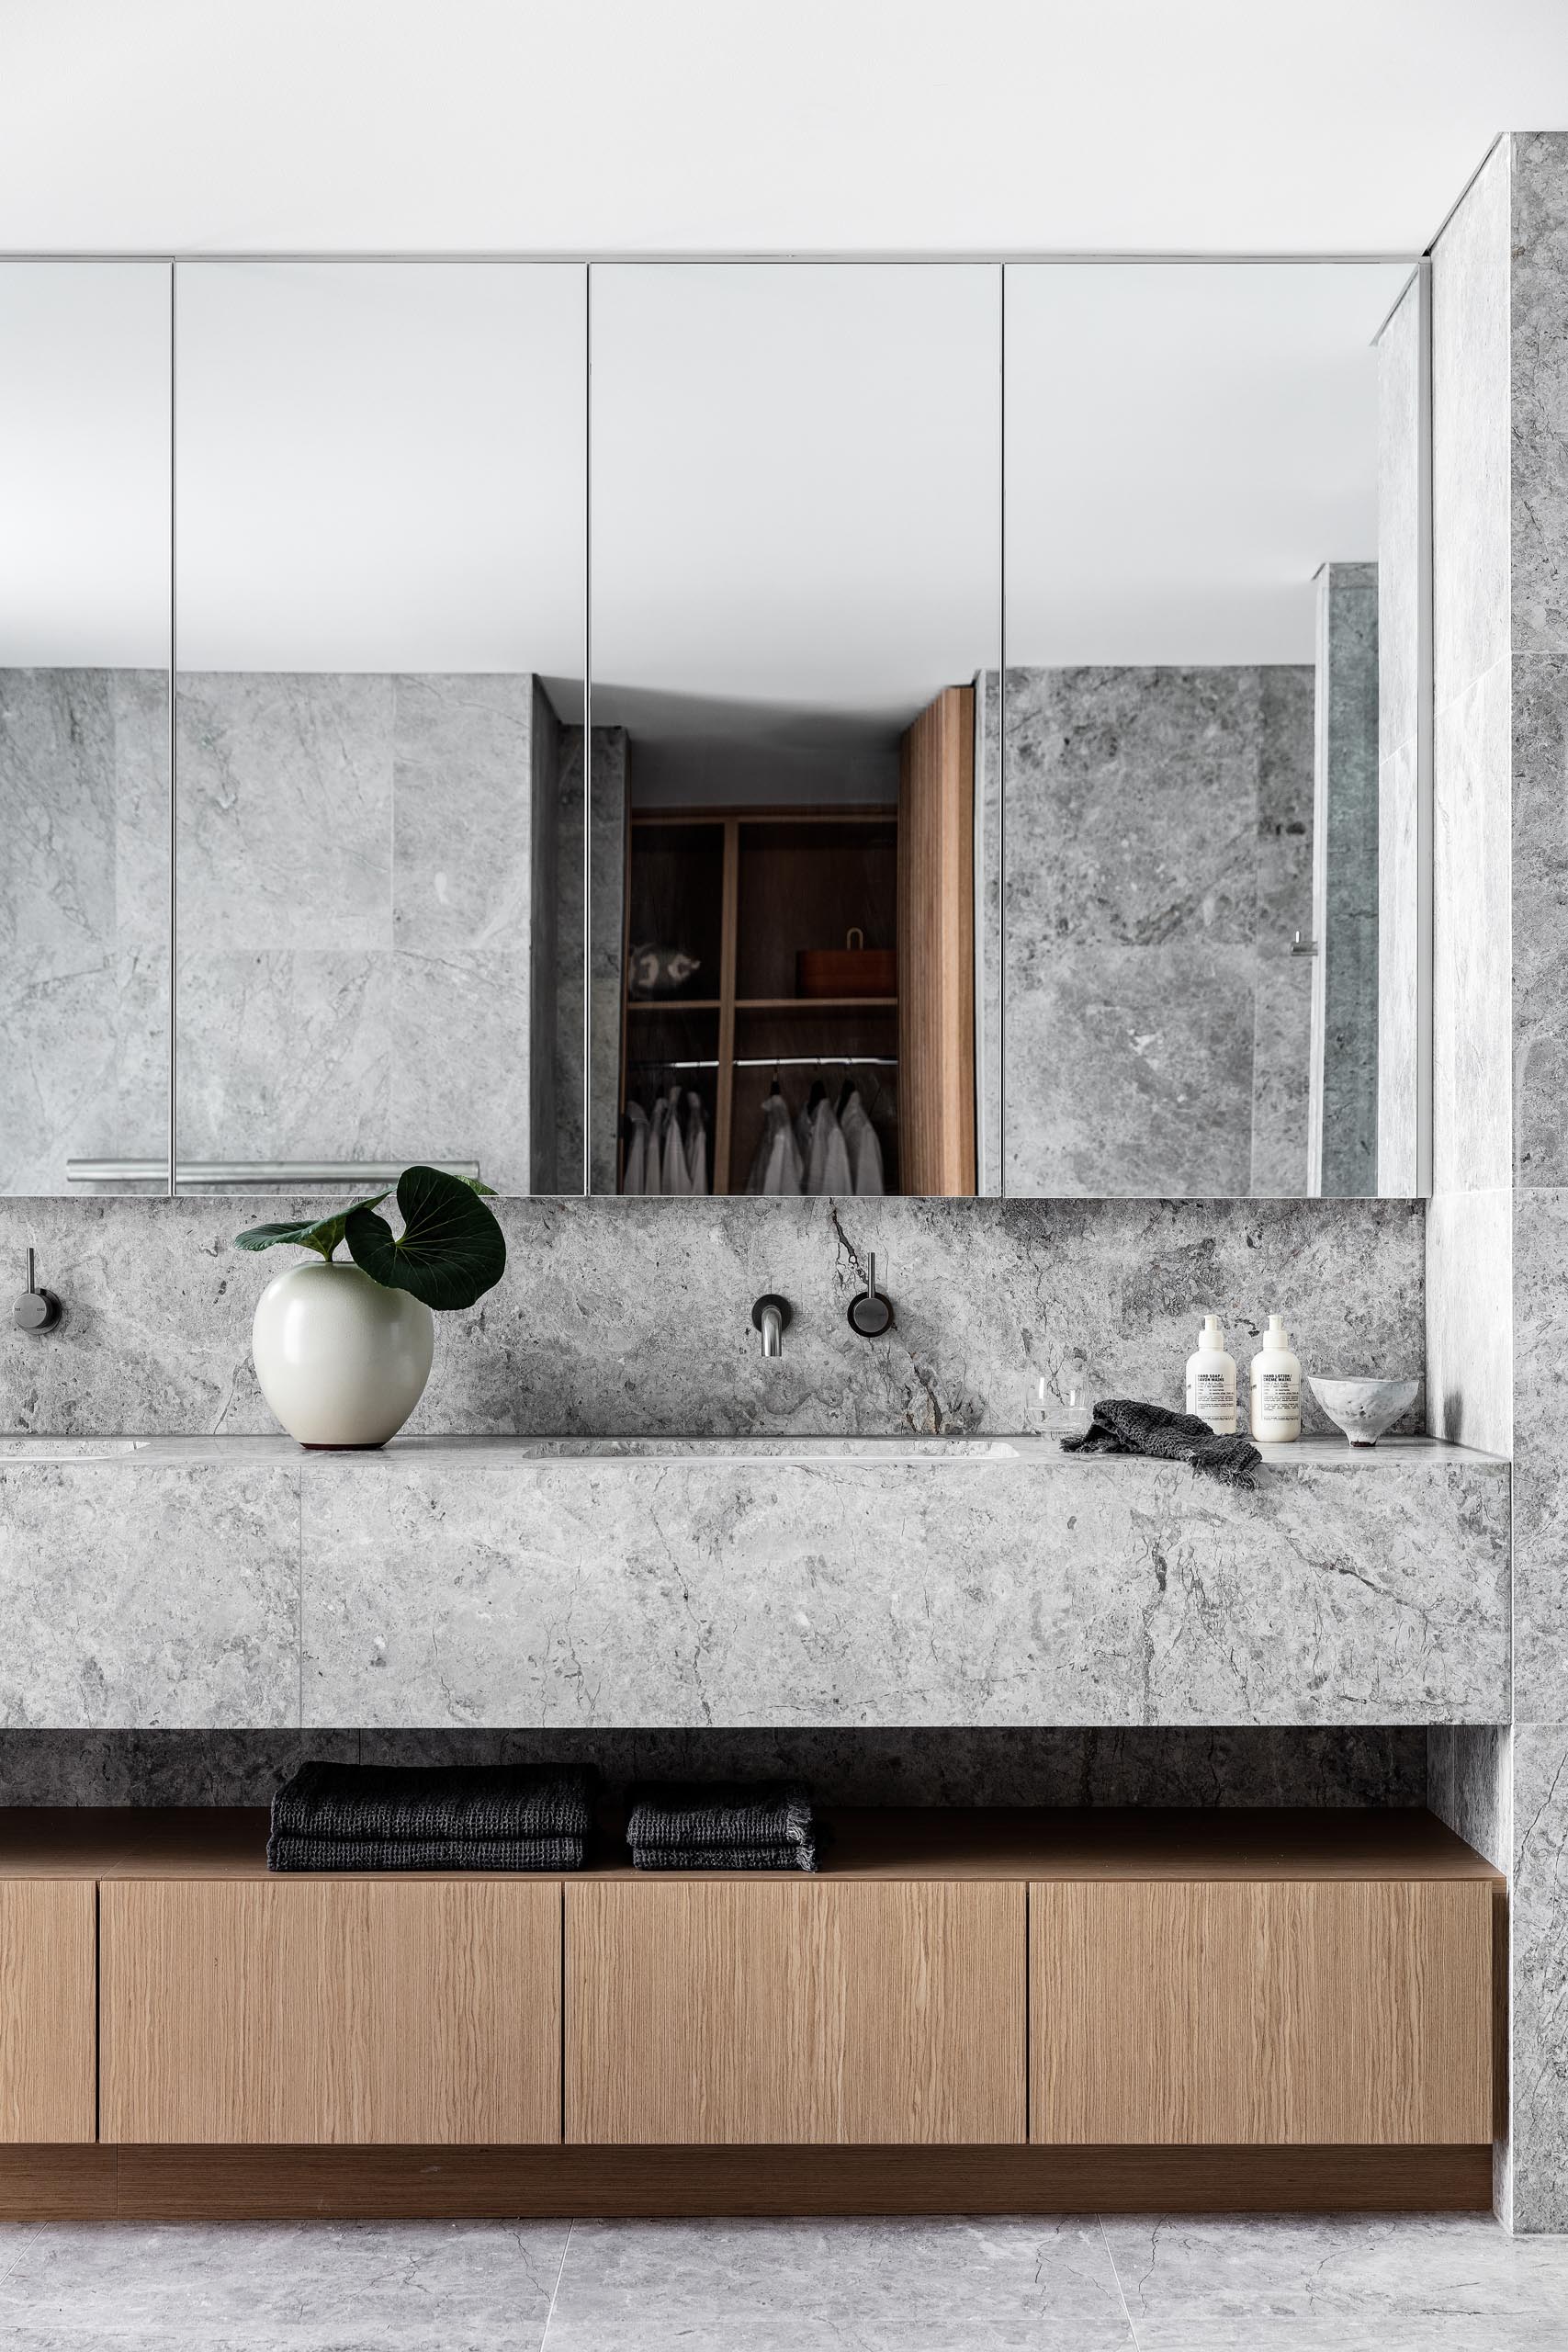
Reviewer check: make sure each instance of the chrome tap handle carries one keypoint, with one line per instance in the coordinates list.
(871, 1311)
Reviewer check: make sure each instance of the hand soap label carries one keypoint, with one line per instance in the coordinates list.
(1212, 1396)
(1210, 1379)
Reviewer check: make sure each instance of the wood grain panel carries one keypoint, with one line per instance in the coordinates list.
(351, 2010)
(708, 2012)
(48, 2019)
(1264, 2012)
(936, 948)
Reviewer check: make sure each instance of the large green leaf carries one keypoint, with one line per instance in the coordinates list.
(450, 1250)
(324, 1234)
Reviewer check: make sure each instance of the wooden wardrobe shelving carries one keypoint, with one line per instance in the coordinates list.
(744, 888)
(785, 878)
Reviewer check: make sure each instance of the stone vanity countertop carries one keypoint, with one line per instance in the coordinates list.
(665, 1582)
(1396, 1455)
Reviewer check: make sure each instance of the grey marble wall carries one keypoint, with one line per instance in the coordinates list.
(1399, 595)
(607, 900)
(1249, 1766)
(633, 1316)
(357, 857)
(1497, 1256)
(84, 919)
(1343, 1120)
(1158, 852)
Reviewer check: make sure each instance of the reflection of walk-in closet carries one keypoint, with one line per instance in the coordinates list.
(778, 959)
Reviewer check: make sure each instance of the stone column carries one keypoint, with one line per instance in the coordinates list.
(1497, 1230)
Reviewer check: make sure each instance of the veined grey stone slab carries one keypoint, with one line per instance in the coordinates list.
(270, 762)
(1469, 1318)
(166, 1597)
(1538, 360)
(635, 1315)
(456, 1590)
(1345, 885)
(1539, 927)
(1540, 1448)
(1399, 1028)
(1472, 993)
(1537, 1964)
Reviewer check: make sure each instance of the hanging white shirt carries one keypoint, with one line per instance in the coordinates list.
(634, 1174)
(829, 1168)
(696, 1144)
(864, 1146)
(672, 1174)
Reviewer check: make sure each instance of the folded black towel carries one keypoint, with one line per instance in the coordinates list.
(1122, 1426)
(792, 1857)
(460, 1802)
(702, 1818)
(295, 1853)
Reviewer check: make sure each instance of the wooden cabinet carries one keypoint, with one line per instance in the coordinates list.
(1027, 1983)
(322, 2010)
(774, 2011)
(1317, 2011)
(48, 2034)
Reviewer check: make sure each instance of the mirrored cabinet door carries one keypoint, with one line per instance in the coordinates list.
(84, 410)
(381, 702)
(796, 601)
(1208, 951)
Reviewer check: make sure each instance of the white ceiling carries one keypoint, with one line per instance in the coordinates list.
(1087, 124)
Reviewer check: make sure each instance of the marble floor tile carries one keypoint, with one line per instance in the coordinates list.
(1406, 2283)
(838, 2286)
(282, 2287)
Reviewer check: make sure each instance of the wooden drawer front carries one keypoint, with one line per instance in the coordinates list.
(48, 2026)
(701, 2012)
(1318, 2012)
(321, 2010)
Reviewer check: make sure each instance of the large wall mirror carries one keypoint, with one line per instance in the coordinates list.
(929, 728)
(1207, 945)
(795, 597)
(85, 408)
(379, 698)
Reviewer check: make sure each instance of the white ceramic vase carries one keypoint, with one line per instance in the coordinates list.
(341, 1360)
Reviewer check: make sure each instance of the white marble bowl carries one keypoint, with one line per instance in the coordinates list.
(1364, 1409)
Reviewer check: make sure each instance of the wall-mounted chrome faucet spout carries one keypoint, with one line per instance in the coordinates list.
(770, 1315)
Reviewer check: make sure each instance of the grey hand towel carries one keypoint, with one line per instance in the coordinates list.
(698, 1817)
(1120, 1425)
(299, 1853)
(446, 1801)
(802, 1857)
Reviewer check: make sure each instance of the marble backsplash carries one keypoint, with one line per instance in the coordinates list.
(633, 1316)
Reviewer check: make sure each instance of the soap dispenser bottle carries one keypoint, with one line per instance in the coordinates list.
(1276, 1388)
(1210, 1379)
